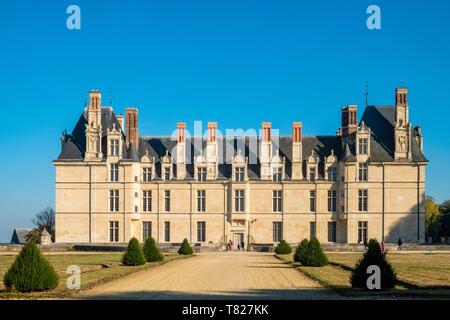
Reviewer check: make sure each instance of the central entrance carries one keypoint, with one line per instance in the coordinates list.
(238, 240)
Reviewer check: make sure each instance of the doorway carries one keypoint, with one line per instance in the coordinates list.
(238, 240)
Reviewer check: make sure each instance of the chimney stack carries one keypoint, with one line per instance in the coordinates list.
(267, 131)
(95, 100)
(297, 172)
(181, 131)
(132, 126)
(349, 125)
(181, 151)
(212, 131)
(297, 132)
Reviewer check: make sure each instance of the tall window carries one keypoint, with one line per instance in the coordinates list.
(201, 200)
(113, 200)
(239, 174)
(114, 172)
(167, 200)
(362, 231)
(312, 200)
(312, 173)
(114, 147)
(277, 231)
(312, 229)
(332, 231)
(201, 231)
(166, 173)
(146, 230)
(277, 201)
(362, 171)
(239, 200)
(332, 200)
(114, 231)
(146, 174)
(276, 177)
(147, 200)
(362, 146)
(201, 174)
(167, 231)
(362, 200)
(332, 174)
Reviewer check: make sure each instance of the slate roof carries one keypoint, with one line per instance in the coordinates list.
(380, 119)
(19, 235)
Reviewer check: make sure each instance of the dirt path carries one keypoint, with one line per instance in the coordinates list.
(231, 275)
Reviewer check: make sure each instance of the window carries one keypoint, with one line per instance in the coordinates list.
(167, 200)
(239, 174)
(146, 174)
(362, 146)
(114, 172)
(332, 200)
(362, 231)
(166, 173)
(167, 231)
(277, 231)
(201, 200)
(113, 200)
(277, 201)
(312, 200)
(114, 231)
(201, 174)
(332, 174)
(312, 229)
(362, 171)
(239, 200)
(136, 209)
(201, 231)
(362, 200)
(332, 231)
(276, 177)
(146, 230)
(114, 147)
(147, 200)
(312, 173)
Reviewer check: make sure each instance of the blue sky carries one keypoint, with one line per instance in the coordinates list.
(234, 62)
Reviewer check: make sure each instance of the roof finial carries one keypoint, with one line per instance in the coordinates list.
(367, 93)
(401, 84)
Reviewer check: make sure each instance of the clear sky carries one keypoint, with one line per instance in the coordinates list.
(237, 62)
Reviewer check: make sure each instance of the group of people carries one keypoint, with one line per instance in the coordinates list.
(230, 245)
(399, 243)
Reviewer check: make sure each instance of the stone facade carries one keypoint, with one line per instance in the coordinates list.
(368, 181)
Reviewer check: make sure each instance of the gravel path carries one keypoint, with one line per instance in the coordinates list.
(229, 275)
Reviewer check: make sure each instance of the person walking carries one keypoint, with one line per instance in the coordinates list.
(400, 243)
(382, 246)
(242, 245)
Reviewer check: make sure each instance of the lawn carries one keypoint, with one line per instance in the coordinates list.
(419, 274)
(95, 268)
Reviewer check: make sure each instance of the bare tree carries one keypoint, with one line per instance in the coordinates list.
(46, 219)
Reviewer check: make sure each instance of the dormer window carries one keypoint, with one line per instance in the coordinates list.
(114, 147)
(201, 174)
(166, 173)
(276, 176)
(312, 173)
(239, 174)
(362, 146)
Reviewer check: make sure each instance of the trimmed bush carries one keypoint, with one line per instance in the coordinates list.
(134, 255)
(314, 256)
(283, 248)
(373, 256)
(300, 252)
(30, 271)
(185, 248)
(151, 251)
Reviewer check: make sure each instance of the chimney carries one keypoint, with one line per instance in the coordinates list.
(401, 96)
(95, 100)
(349, 125)
(181, 131)
(267, 131)
(266, 150)
(297, 172)
(181, 150)
(132, 126)
(212, 152)
(119, 118)
(212, 131)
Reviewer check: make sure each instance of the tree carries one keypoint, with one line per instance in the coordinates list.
(30, 271)
(432, 218)
(33, 235)
(314, 256)
(151, 251)
(283, 248)
(134, 256)
(373, 256)
(300, 252)
(46, 219)
(185, 248)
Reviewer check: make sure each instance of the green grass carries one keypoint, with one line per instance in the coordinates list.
(95, 268)
(419, 274)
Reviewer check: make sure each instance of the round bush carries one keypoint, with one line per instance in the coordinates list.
(185, 248)
(134, 255)
(151, 251)
(373, 256)
(314, 256)
(30, 271)
(283, 248)
(300, 252)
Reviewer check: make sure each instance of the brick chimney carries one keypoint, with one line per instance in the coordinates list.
(132, 126)
(266, 131)
(212, 131)
(212, 152)
(349, 125)
(266, 150)
(181, 150)
(297, 172)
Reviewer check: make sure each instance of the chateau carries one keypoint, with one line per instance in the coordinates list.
(367, 181)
